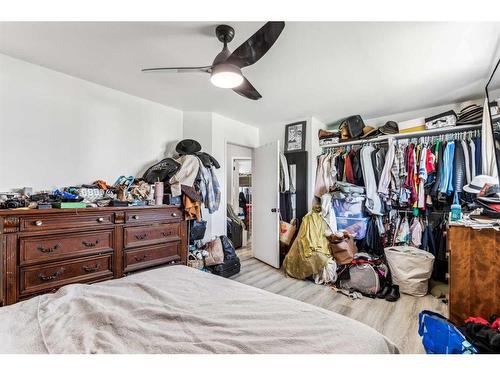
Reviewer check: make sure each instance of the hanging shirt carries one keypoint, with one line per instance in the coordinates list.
(465, 151)
(349, 173)
(320, 185)
(473, 158)
(403, 233)
(411, 176)
(447, 180)
(385, 178)
(422, 177)
(284, 175)
(373, 203)
(477, 143)
(416, 233)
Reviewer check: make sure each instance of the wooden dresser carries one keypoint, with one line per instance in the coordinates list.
(42, 250)
(474, 272)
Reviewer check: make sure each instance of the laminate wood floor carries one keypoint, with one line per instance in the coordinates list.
(397, 320)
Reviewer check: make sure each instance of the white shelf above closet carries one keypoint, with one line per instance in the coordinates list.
(423, 133)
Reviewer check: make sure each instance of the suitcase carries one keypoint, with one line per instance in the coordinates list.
(228, 268)
(235, 233)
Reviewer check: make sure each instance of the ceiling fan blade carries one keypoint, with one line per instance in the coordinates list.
(257, 45)
(192, 69)
(247, 90)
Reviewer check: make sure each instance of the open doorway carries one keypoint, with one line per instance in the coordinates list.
(239, 200)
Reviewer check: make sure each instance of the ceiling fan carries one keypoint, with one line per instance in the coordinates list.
(225, 70)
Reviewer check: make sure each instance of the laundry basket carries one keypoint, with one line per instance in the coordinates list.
(411, 268)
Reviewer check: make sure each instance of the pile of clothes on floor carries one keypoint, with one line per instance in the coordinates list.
(332, 258)
(475, 336)
(217, 256)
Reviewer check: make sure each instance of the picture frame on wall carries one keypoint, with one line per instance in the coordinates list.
(295, 137)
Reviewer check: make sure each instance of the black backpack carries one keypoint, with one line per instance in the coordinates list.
(227, 246)
(161, 171)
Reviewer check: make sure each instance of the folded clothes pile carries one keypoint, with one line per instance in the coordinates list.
(470, 115)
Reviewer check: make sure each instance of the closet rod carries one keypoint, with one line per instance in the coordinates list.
(423, 133)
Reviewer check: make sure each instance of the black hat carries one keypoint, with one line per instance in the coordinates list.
(187, 147)
(390, 127)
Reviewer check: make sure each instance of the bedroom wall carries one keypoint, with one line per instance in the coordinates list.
(226, 130)
(78, 131)
(214, 132)
(234, 152)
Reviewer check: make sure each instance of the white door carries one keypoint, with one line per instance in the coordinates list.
(265, 204)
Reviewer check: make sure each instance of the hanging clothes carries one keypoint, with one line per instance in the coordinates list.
(186, 175)
(416, 232)
(447, 165)
(488, 162)
(349, 171)
(389, 171)
(373, 203)
(465, 151)
(472, 147)
(357, 168)
(458, 168)
(320, 185)
(284, 175)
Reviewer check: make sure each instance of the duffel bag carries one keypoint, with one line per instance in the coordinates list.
(362, 278)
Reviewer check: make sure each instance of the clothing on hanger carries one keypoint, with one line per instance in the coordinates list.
(373, 203)
(390, 171)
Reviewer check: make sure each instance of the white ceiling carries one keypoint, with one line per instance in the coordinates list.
(322, 69)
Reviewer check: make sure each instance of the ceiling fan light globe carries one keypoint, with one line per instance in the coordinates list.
(226, 76)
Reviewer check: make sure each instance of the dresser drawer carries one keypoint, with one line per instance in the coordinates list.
(140, 216)
(151, 234)
(47, 222)
(34, 279)
(61, 246)
(152, 256)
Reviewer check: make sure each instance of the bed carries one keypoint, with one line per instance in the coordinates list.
(178, 309)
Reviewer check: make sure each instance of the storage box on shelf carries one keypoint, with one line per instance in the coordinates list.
(42, 250)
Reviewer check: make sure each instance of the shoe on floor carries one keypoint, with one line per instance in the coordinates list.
(385, 290)
(393, 295)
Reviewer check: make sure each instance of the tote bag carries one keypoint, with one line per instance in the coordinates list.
(411, 268)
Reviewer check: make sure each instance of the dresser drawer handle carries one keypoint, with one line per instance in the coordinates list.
(54, 276)
(141, 236)
(167, 234)
(141, 258)
(90, 244)
(174, 214)
(100, 220)
(39, 223)
(135, 217)
(90, 269)
(48, 249)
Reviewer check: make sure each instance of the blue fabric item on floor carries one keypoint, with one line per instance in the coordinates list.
(439, 336)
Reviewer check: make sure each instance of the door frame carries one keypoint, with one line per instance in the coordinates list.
(226, 143)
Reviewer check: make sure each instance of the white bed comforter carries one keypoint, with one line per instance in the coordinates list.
(178, 310)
